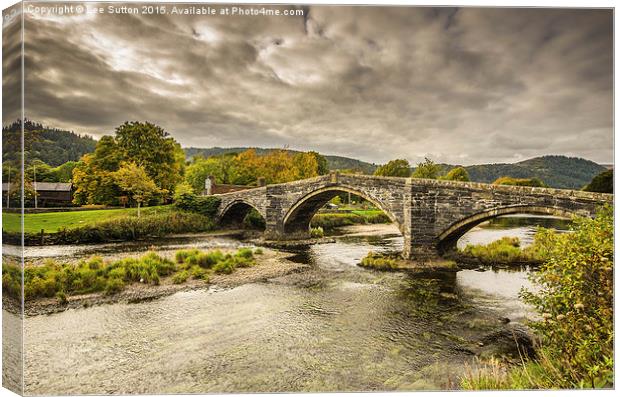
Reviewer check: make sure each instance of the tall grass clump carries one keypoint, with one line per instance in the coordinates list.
(574, 304)
(53, 279)
(379, 261)
(504, 250)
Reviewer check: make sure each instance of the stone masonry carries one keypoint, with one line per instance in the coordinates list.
(431, 214)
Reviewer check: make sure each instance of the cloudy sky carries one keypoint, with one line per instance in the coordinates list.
(458, 85)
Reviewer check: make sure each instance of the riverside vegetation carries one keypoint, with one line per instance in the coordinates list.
(574, 304)
(53, 279)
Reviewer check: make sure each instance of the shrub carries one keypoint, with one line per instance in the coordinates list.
(379, 261)
(504, 250)
(317, 232)
(254, 220)
(180, 277)
(226, 267)
(205, 205)
(574, 303)
(131, 228)
(114, 286)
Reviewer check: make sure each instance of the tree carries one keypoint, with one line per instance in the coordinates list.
(427, 170)
(134, 180)
(457, 174)
(321, 161)
(149, 146)
(306, 164)
(532, 182)
(144, 144)
(398, 167)
(602, 183)
(92, 184)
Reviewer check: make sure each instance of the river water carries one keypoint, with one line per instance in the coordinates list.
(334, 327)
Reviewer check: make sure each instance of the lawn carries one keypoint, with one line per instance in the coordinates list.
(53, 221)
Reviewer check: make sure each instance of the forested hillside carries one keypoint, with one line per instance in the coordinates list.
(555, 171)
(50, 145)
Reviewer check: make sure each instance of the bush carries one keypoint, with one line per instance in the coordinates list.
(317, 232)
(575, 305)
(602, 183)
(226, 267)
(504, 250)
(204, 205)
(132, 228)
(379, 261)
(254, 220)
(114, 286)
(180, 277)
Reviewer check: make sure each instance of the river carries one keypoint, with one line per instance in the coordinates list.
(334, 327)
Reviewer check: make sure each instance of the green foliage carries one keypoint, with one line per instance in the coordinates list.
(602, 183)
(427, 170)
(317, 232)
(457, 174)
(506, 180)
(329, 221)
(504, 250)
(146, 145)
(254, 220)
(181, 190)
(574, 302)
(53, 279)
(132, 228)
(48, 145)
(205, 205)
(398, 167)
(379, 261)
(556, 171)
(333, 162)
(180, 277)
(134, 180)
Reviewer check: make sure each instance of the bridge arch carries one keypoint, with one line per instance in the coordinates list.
(235, 212)
(296, 222)
(449, 237)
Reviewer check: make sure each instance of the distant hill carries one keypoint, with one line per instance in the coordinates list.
(334, 162)
(50, 145)
(556, 171)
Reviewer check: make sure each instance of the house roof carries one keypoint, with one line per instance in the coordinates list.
(47, 186)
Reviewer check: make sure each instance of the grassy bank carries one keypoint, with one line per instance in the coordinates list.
(330, 221)
(52, 222)
(60, 280)
(122, 228)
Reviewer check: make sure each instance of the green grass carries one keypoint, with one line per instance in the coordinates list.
(54, 279)
(53, 221)
(504, 250)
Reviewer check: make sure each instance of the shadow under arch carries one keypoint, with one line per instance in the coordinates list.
(235, 212)
(449, 237)
(297, 220)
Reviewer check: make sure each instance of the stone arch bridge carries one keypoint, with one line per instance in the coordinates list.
(431, 214)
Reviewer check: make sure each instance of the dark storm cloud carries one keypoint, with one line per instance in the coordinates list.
(458, 85)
